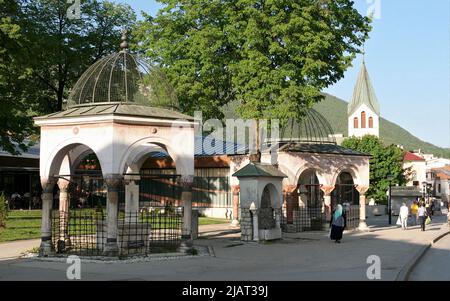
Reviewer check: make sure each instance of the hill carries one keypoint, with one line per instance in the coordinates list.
(335, 111)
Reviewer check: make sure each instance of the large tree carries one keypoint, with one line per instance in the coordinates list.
(43, 52)
(385, 160)
(273, 57)
(15, 112)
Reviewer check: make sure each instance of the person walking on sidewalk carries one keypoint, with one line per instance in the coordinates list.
(414, 216)
(338, 223)
(422, 213)
(404, 213)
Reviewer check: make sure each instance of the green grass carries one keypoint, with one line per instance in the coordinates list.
(212, 221)
(21, 225)
(24, 224)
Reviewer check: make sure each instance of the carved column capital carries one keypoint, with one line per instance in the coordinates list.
(48, 184)
(327, 189)
(63, 185)
(128, 179)
(362, 189)
(289, 188)
(113, 182)
(186, 182)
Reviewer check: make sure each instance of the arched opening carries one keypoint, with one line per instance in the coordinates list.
(305, 205)
(363, 119)
(78, 212)
(87, 188)
(310, 194)
(355, 123)
(266, 215)
(345, 191)
(370, 122)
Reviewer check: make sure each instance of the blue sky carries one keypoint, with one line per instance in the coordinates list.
(408, 58)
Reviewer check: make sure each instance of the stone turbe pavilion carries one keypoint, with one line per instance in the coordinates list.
(121, 111)
(112, 114)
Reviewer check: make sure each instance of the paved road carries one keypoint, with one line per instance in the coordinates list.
(435, 265)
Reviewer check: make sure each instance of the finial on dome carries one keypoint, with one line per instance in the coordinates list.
(124, 44)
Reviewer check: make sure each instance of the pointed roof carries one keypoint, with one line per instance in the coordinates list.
(364, 93)
(254, 169)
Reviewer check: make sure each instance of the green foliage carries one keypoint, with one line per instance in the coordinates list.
(335, 111)
(272, 57)
(3, 210)
(385, 160)
(43, 53)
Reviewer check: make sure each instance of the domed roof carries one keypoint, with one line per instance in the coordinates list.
(312, 128)
(123, 78)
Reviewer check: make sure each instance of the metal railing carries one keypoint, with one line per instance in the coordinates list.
(150, 230)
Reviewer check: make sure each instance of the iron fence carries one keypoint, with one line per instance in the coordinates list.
(303, 219)
(352, 216)
(78, 232)
(151, 230)
(84, 232)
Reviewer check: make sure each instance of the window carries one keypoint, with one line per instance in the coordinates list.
(363, 119)
(355, 123)
(439, 188)
(370, 122)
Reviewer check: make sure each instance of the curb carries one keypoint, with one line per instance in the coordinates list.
(405, 272)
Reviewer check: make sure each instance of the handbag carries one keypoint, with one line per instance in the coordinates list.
(428, 221)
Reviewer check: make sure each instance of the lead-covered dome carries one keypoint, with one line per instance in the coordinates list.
(126, 78)
(312, 128)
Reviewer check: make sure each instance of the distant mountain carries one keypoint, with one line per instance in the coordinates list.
(335, 111)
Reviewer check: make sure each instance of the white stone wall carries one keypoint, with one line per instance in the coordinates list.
(327, 166)
(420, 170)
(360, 132)
(121, 146)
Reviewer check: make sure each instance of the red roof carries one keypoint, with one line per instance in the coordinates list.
(412, 157)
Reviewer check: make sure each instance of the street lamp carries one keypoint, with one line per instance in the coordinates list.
(390, 177)
(424, 185)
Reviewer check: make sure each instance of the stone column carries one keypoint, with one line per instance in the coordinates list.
(254, 212)
(186, 198)
(327, 190)
(362, 207)
(131, 198)
(291, 199)
(46, 221)
(64, 204)
(235, 190)
(114, 184)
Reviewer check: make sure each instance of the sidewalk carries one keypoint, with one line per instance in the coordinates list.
(14, 249)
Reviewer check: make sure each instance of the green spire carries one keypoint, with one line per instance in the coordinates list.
(363, 93)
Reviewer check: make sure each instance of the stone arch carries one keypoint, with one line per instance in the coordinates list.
(307, 168)
(291, 176)
(137, 153)
(270, 191)
(51, 164)
(352, 170)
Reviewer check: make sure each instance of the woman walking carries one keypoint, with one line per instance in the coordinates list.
(422, 213)
(338, 223)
